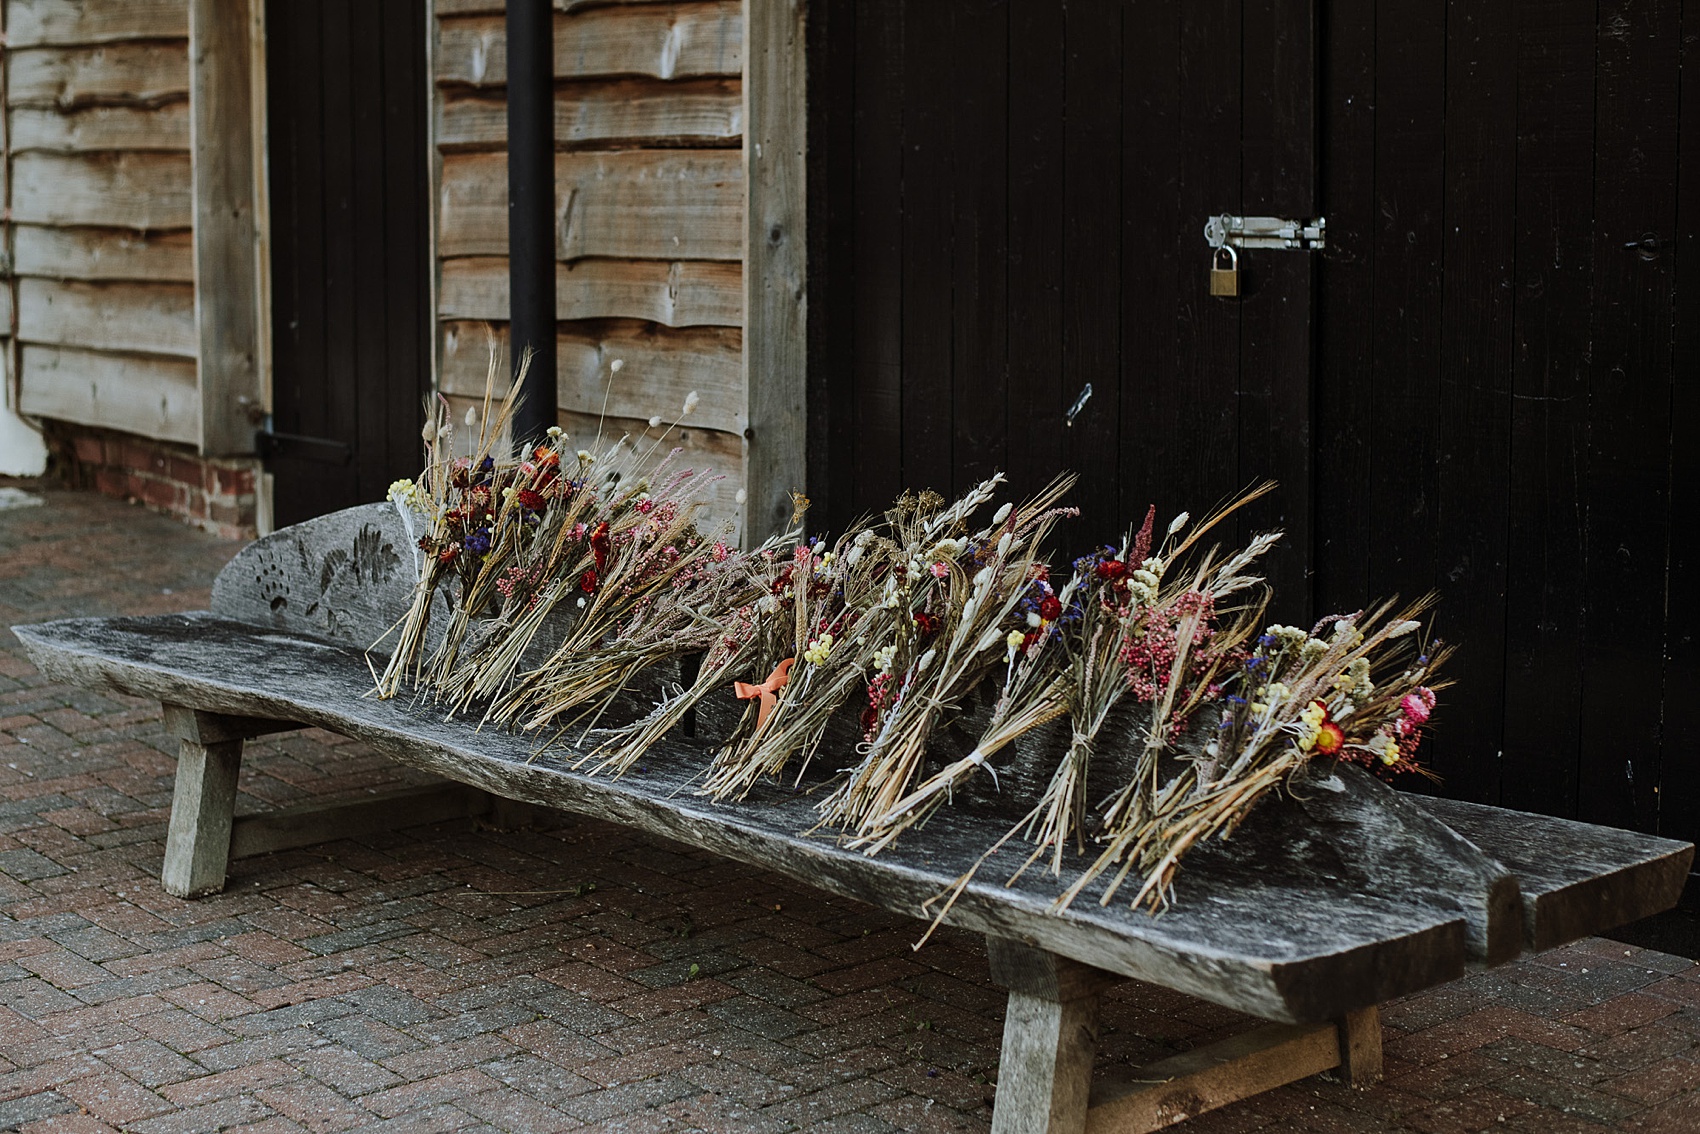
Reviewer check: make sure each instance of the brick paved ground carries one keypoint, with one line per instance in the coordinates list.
(582, 978)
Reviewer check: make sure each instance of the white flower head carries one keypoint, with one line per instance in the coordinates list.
(586, 457)
(429, 433)
(471, 416)
(556, 431)
(926, 660)
(741, 496)
(655, 421)
(1179, 522)
(616, 366)
(1003, 513)
(1400, 629)
(691, 400)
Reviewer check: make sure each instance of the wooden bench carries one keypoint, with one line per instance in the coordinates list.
(1325, 904)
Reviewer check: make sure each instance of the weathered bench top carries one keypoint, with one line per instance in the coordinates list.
(1373, 895)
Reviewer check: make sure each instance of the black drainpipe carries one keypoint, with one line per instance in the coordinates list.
(531, 208)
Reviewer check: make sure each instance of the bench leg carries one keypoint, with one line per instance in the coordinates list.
(197, 845)
(1360, 1047)
(1050, 1037)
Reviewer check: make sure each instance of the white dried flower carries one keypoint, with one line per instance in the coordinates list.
(429, 433)
(1034, 620)
(741, 496)
(854, 556)
(1004, 542)
(982, 577)
(1003, 513)
(616, 366)
(926, 660)
(1399, 630)
(556, 431)
(471, 416)
(1179, 522)
(691, 400)
(585, 457)
(655, 421)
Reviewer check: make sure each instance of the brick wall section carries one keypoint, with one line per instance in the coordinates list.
(215, 495)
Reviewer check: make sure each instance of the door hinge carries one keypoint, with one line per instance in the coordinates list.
(1266, 232)
(291, 446)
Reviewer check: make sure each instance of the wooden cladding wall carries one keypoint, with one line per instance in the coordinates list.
(99, 186)
(649, 214)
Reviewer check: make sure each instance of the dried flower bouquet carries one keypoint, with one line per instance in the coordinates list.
(1141, 696)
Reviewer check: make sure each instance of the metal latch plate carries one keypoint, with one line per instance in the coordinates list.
(1266, 232)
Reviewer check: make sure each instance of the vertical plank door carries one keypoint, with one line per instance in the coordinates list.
(347, 154)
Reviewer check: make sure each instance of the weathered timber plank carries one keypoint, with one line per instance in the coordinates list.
(103, 254)
(1268, 941)
(775, 263)
(145, 74)
(688, 293)
(662, 41)
(228, 257)
(1577, 878)
(605, 115)
(1173, 1090)
(154, 395)
(155, 318)
(632, 204)
(122, 190)
(94, 128)
(661, 368)
(32, 23)
(309, 824)
(1398, 843)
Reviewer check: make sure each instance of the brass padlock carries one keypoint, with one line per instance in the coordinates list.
(1225, 272)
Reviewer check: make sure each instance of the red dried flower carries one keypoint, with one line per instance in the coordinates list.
(530, 499)
(926, 623)
(599, 545)
(1329, 738)
(1050, 608)
(587, 582)
(447, 555)
(1112, 569)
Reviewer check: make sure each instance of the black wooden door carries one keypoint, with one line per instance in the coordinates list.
(1480, 388)
(348, 151)
(1009, 201)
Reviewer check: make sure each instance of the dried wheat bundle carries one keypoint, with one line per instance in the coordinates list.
(963, 618)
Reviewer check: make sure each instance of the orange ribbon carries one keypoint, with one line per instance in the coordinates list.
(768, 690)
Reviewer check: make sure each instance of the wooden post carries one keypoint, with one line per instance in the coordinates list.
(1360, 1046)
(775, 263)
(230, 284)
(1050, 1037)
(203, 806)
(197, 844)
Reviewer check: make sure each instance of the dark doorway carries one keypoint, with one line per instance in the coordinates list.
(1476, 389)
(348, 153)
